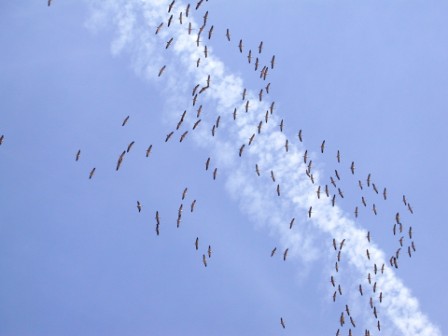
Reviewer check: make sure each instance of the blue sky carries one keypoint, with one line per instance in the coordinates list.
(77, 257)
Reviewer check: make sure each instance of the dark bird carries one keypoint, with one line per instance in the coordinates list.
(139, 206)
(169, 20)
(374, 188)
(410, 208)
(352, 167)
(272, 176)
(310, 211)
(171, 6)
(267, 88)
(278, 189)
(210, 32)
(130, 146)
(78, 154)
(363, 201)
(368, 180)
(360, 184)
(385, 194)
(334, 244)
(184, 193)
(273, 251)
(374, 209)
(162, 69)
(337, 175)
(148, 151)
(196, 124)
(168, 136)
(341, 244)
(169, 42)
(251, 139)
(240, 46)
(120, 160)
(338, 156)
(209, 251)
(192, 205)
(300, 136)
(125, 121)
(159, 27)
(257, 170)
(228, 34)
(291, 223)
(356, 212)
(249, 56)
(332, 281)
(282, 322)
(182, 137)
(260, 47)
(360, 289)
(196, 243)
(285, 254)
(215, 172)
(410, 232)
(241, 149)
(404, 200)
(204, 260)
(272, 62)
(207, 163)
(91, 173)
(322, 147)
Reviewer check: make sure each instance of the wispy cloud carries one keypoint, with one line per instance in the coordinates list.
(135, 24)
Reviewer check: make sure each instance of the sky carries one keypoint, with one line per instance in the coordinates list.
(76, 256)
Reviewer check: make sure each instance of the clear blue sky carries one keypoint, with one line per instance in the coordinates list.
(76, 257)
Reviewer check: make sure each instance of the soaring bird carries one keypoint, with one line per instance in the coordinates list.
(192, 205)
(210, 32)
(282, 322)
(251, 139)
(209, 251)
(318, 192)
(260, 47)
(410, 232)
(204, 260)
(148, 151)
(374, 188)
(77, 154)
(130, 146)
(352, 167)
(337, 174)
(278, 189)
(196, 243)
(257, 170)
(228, 34)
(360, 289)
(139, 206)
(322, 147)
(291, 223)
(169, 136)
(240, 45)
(334, 244)
(182, 137)
(300, 136)
(120, 160)
(91, 173)
(285, 254)
(184, 193)
(249, 56)
(168, 43)
(207, 164)
(385, 194)
(310, 211)
(162, 69)
(215, 172)
(125, 121)
(241, 149)
(272, 61)
(159, 27)
(368, 180)
(169, 20)
(360, 184)
(404, 200)
(171, 5)
(338, 156)
(332, 281)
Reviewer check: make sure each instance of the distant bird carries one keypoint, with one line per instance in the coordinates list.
(125, 121)
(169, 20)
(192, 205)
(368, 180)
(338, 156)
(228, 34)
(169, 136)
(260, 47)
(291, 223)
(159, 27)
(272, 176)
(171, 5)
(352, 167)
(281, 125)
(209, 251)
(397, 218)
(404, 200)
(300, 136)
(273, 251)
(249, 56)
(305, 156)
(385, 194)
(374, 188)
(78, 154)
(1, 139)
(207, 164)
(322, 147)
(184, 193)
(374, 209)
(360, 184)
(210, 32)
(139, 206)
(282, 322)
(334, 296)
(162, 69)
(241, 149)
(285, 254)
(410, 232)
(341, 245)
(356, 212)
(148, 151)
(183, 136)
(360, 289)
(410, 208)
(272, 62)
(251, 139)
(363, 201)
(215, 172)
(334, 244)
(91, 173)
(368, 236)
(278, 189)
(310, 211)
(318, 192)
(240, 46)
(168, 43)
(196, 243)
(337, 174)
(257, 170)
(49, 3)
(332, 281)
(204, 260)
(130, 146)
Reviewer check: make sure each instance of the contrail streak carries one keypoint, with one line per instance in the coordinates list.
(136, 23)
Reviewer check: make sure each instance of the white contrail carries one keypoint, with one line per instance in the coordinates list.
(136, 22)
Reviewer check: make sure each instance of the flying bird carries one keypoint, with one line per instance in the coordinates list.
(169, 136)
(240, 46)
(125, 121)
(260, 47)
(251, 139)
(209, 251)
(184, 193)
(291, 223)
(139, 206)
(182, 137)
(322, 147)
(207, 163)
(210, 32)
(285, 254)
(310, 211)
(196, 243)
(120, 160)
(385, 194)
(196, 124)
(352, 167)
(241, 149)
(130, 146)
(282, 322)
(171, 6)
(278, 189)
(338, 156)
(49, 3)
(228, 34)
(257, 170)
(215, 172)
(272, 176)
(148, 151)
(272, 62)
(192, 205)
(91, 173)
(273, 251)
(162, 69)
(300, 136)
(204, 260)
(169, 42)
(78, 154)
(169, 20)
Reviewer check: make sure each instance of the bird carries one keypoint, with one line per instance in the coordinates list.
(374, 209)
(341, 244)
(257, 170)
(267, 88)
(334, 296)
(228, 34)
(374, 188)
(209, 251)
(49, 3)
(198, 4)
(300, 136)
(385, 194)
(240, 46)
(204, 260)
(410, 232)
(210, 32)
(368, 254)
(318, 192)
(260, 47)
(337, 174)
(207, 163)
(291, 223)
(120, 160)
(168, 136)
(162, 69)
(282, 322)
(125, 121)
(251, 139)
(249, 56)
(360, 289)
(404, 200)
(285, 254)
(332, 281)
(196, 243)
(356, 212)
(180, 17)
(77, 154)
(91, 173)
(215, 172)
(171, 5)
(368, 236)
(130, 146)
(305, 156)
(139, 206)
(360, 184)
(281, 125)
(322, 147)
(159, 27)
(334, 244)
(352, 167)
(310, 211)
(272, 61)
(182, 137)
(363, 201)
(273, 251)
(278, 189)
(272, 176)
(368, 180)
(148, 151)
(244, 94)
(410, 208)
(241, 149)
(338, 156)
(397, 218)
(168, 43)
(184, 193)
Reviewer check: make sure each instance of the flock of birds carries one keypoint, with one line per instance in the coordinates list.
(331, 191)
